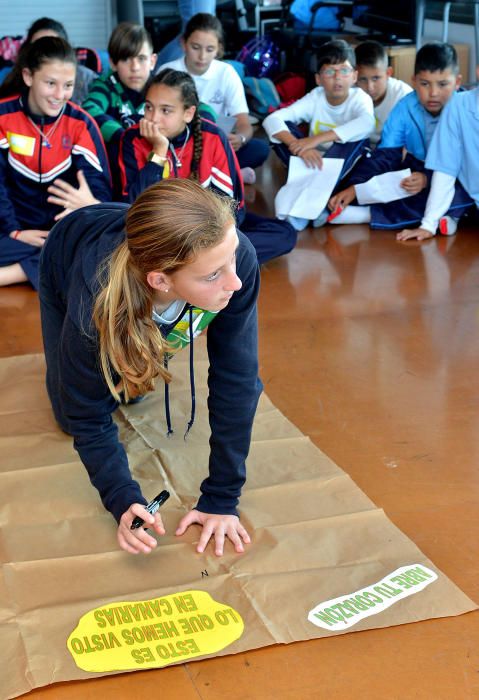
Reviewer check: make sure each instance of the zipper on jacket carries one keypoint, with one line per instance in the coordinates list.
(40, 151)
(421, 134)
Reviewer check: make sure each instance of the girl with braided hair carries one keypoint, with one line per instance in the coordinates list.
(174, 141)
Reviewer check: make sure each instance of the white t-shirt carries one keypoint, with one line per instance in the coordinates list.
(396, 89)
(220, 87)
(170, 314)
(351, 121)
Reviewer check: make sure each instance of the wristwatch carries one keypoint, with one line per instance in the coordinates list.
(243, 139)
(153, 157)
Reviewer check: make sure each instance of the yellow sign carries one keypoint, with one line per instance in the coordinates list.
(153, 633)
(23, 145)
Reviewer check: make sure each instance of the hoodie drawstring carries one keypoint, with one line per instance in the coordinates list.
(192, 378)
(192, 385)
(169, 429)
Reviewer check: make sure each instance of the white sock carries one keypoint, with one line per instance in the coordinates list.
(353, 215)
(447, 226)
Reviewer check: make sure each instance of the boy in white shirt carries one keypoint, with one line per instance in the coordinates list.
(375, 78)
(340, 119)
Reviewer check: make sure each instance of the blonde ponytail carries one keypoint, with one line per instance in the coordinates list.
(130, 342)
(166, 228)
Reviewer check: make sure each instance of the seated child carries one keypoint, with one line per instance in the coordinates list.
(340, 117)
(172, 140)
(453, 153)
(219, 86)
(114, 100)
(45, 26)
(405, 140)
(174, 48)
(43, 136)
(375, 78)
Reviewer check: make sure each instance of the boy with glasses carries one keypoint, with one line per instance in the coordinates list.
(340, 117)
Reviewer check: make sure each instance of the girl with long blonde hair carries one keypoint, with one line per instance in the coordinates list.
(116, 285)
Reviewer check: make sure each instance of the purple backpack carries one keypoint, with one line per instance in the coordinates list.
(260, 57)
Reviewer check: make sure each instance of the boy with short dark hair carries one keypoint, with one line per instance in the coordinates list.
(406, 137)
(340, 117)
(453, 153)
(114, 100)
(375, 78)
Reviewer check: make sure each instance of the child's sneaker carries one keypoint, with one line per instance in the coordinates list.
(297, 222)
(447, 226)
(249, 176)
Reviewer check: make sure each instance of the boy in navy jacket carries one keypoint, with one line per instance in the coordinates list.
(405, 141)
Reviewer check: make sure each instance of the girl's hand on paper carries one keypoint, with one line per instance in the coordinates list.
(138, 541)
(420, 233)
(414, 183)
(342, 199)
(217, 526)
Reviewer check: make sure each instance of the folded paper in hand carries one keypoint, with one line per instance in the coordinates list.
(307, 191)
(383, 188)
(225, 123)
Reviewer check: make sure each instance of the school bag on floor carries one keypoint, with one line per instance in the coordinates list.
(290, 87)
(261, 95)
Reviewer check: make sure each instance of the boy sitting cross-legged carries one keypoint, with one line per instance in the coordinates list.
(375, 78)
(454, 153)
(340, 118)
(405, 141)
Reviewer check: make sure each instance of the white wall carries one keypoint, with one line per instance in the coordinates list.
(457, 34)
(88, 22)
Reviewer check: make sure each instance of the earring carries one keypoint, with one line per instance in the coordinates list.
(166, 289)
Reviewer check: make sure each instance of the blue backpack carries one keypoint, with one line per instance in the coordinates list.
(261, 95)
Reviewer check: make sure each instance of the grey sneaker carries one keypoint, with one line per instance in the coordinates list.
(321, 219)
(447, 226)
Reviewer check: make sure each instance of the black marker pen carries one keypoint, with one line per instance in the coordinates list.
(152, 507)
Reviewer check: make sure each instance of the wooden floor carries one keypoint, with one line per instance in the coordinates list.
(371, 348)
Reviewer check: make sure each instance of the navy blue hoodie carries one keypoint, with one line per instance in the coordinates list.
(81, 400)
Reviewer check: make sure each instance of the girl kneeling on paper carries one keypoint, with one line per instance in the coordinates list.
(141, 273)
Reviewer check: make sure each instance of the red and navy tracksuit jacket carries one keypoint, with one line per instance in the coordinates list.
(28, 165)
(218, 167)
(28, 168)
